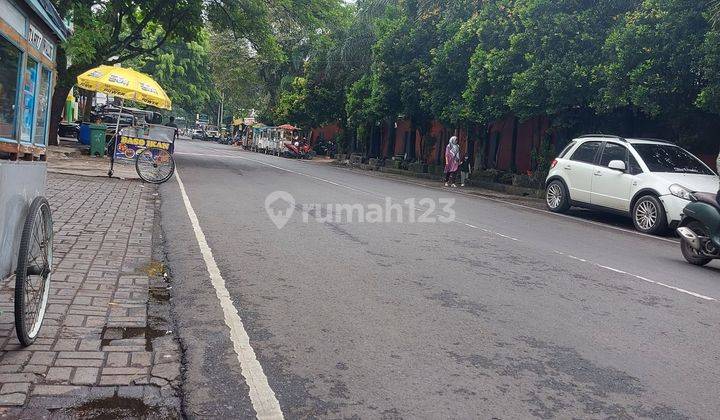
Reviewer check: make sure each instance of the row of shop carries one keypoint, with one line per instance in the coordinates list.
(30, 32)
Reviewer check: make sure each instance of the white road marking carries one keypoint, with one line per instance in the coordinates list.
(510, 203)
(327, 181)
(262, 396)
(645, 279)
(485, 230)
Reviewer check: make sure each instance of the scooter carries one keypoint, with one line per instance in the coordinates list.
(700, 229)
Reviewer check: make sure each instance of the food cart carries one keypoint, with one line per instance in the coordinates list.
(29, 35)
(149, 146)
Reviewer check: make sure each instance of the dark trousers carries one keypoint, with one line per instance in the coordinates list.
(450, 175)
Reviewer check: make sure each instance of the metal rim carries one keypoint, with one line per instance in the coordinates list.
(554, 196)
(155, 165)
(38, 272)
(646, 215)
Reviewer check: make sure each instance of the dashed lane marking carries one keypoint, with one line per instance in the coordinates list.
(262, 396)
(678, 289)
(645, 279)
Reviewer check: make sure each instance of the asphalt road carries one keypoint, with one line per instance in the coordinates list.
(506, 312)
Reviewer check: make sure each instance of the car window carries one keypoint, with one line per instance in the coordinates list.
(613, 151)
(669, 158)
(566, 150)
(633, 167)
(586, 152)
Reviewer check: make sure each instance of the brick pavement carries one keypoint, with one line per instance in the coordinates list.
(95, 342)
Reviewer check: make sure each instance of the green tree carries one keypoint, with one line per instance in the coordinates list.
(449, 71)
(401, 70)
(181, 68)
(114, 32)
(654, 62)
(110, 32)
(360, 112)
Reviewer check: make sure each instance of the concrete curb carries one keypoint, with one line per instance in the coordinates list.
(487, 185)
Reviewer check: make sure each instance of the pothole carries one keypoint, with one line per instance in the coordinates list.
(148, 333)
(113, 408)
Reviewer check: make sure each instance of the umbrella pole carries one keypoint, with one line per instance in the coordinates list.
(115, 138)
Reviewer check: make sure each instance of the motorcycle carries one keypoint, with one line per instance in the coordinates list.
(700, 229)
(298, 150)
(325, 148)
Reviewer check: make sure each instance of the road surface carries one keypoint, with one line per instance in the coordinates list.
(505, 312)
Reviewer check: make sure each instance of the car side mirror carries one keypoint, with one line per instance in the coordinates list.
(617, 165)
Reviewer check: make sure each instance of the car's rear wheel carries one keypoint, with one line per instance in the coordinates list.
(556, 197)
(649, 215)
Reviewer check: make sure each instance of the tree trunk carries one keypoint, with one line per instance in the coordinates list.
(413, 140)
(513, 150)
(56, 109)
(369, 140)
(486, 146)
(390, 149)
(470, 143)
(57, 103)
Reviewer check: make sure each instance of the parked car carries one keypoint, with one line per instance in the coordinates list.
(649, 180)
(211, 133)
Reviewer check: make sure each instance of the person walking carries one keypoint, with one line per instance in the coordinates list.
(464, 170)
(176, 135)
(452, 161)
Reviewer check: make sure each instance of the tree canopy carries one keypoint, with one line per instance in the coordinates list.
(627, 66)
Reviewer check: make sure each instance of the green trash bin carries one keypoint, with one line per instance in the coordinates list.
(97, 139)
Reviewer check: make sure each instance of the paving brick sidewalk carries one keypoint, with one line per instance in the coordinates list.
(96, 349)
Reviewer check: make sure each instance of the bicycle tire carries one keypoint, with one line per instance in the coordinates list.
(38, 222)
(148, 169)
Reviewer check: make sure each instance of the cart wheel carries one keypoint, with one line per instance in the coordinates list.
(155, 165)
(34, 269)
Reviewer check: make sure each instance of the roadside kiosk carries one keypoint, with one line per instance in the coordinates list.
(29, 34)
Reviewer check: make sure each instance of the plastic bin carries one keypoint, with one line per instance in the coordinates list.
(97, 139)
(84, 137)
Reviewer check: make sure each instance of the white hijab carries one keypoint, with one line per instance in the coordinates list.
(454, 147)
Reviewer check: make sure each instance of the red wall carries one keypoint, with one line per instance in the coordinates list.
(327, 132)
(529, 136)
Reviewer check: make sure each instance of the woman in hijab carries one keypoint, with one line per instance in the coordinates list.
(452, 160)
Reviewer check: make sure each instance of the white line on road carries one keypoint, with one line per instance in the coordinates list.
(510, 203)
(454, 191)
(485, 230)
(327, 181)
(645, 279)
(262, 396)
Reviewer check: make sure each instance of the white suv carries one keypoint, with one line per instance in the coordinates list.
(649, 180)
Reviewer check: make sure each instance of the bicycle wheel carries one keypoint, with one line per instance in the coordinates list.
(155, 165)
(34, 269)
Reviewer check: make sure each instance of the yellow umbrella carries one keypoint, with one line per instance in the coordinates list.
(126, 84)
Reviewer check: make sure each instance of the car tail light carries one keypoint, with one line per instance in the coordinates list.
(553, 164)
